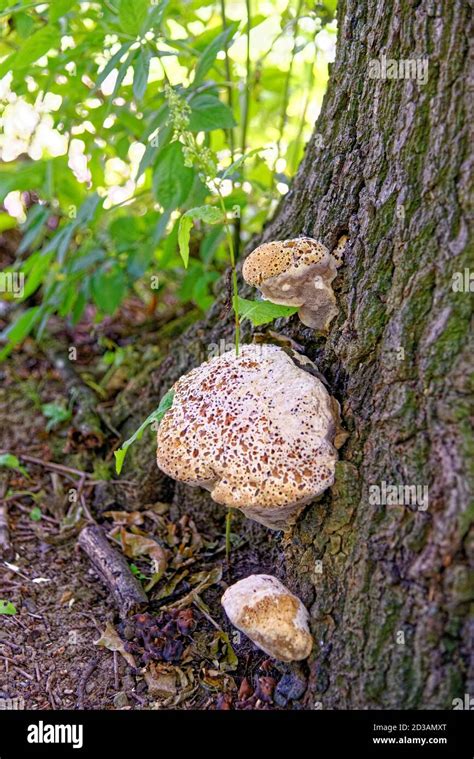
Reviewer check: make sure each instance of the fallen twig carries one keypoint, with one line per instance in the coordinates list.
(6, 549)
(114, 571)
(83, 682)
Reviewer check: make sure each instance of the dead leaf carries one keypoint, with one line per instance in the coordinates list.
(125, 517)
(110, 639)
(161, 680)
(170, 586)
(222, 650)
(201, 580)
(66, 596)
(135, 546)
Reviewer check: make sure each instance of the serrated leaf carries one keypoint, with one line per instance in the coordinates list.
(56, 414)
(156, 416)
(172, 180)
(132, 15)
(209, 214)
(262, 311)
(209, 113)
(206, 61)
(141, 68)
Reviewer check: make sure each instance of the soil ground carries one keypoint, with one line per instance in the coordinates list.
(182, 652)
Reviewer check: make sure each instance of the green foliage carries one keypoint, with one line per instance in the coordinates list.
(35, 514)
(56, 413)
(156, 113)
(7, 607)
(209, 214)
(262, 311)
(11, 462)
(154, 418)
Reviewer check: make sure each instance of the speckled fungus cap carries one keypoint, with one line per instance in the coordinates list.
(257, 430)
(297, 273)
(272, 617)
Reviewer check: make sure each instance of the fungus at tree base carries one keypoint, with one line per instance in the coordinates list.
(271, 616)
(257, 430)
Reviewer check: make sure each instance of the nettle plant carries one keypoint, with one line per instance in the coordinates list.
(143, 143)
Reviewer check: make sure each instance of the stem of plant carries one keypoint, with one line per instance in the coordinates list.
(230, 100)
(245, 110)
(286, 90)
(228, 522)
(235, 287)
(228, 73)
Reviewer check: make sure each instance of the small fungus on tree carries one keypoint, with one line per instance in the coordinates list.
(298, 273)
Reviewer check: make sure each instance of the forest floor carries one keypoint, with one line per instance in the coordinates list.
(181, 652)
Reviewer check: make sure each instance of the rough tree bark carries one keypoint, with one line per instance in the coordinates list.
(388, 164)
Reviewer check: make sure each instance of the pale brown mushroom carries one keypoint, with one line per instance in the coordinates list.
(298, 273)
(271, 616)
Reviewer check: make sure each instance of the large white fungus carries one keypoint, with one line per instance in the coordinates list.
(257, 430)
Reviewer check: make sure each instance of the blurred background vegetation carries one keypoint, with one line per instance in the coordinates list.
(93, 177)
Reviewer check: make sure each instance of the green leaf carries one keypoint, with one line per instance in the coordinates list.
(35, 514)
(6, 607)
(11, 461)
(108, 288)
(209, 214)
(238, 163)
(17, 331)
(35, 47)
(56, 414)
(184, 233)
(156, 416)
(59, 8)
(7, 222)
(262, 311)
(112, 64)
(132, 15)
(27, 175)
(172, 180)
(141, 68)
(206, 61)
(40, 266)
(208, 113)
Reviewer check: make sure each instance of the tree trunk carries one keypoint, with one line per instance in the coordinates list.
(386, 585)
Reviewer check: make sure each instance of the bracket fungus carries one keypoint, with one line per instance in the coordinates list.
(273, 618)
(298, 273)
(258, 430)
